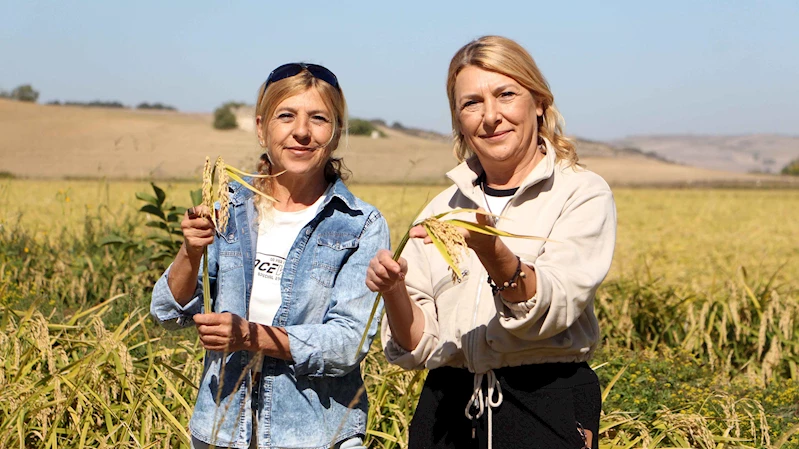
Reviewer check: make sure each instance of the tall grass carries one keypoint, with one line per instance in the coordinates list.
(78, 383)
(749, 328)
(699, 332)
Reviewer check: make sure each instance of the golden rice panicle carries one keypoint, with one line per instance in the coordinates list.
(208, 180)
(452, 239)
(222, 195)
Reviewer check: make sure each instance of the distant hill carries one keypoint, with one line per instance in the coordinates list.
(40, 141)
(765, 153)
(411, 131)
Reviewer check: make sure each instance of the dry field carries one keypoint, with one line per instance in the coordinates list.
(38, 141)
(700, 321)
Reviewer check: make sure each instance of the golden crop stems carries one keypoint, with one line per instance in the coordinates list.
(220, 174)
(449, 242)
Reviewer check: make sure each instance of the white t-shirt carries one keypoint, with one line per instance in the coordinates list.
(276, 234)
(497, 199)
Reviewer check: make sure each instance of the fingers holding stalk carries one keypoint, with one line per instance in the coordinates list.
(198, 230)
(226, 332)
(385, 274)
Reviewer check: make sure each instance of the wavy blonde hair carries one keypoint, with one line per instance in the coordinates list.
(269, 98)
(502, 55)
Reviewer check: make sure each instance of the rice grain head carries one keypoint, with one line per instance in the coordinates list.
(208, 180)
(452, 239)
(222, 195)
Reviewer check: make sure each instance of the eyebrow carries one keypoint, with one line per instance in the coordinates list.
(294, 111)
(494, 91)
(504, 87)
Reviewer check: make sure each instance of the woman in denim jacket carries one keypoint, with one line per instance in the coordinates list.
(287, 280)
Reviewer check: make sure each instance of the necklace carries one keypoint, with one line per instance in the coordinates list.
(498, 196)
(492, 221)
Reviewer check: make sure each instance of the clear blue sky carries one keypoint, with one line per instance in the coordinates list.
(616, 68)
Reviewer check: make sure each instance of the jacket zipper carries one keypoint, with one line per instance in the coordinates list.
(483, 280)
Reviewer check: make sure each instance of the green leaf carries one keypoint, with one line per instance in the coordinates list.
(236, 171)
(160, 194)
(606, 391)
(147, 198)
(153, 210)
(175, 217)
(244, 183)
(490, 230)
(206, 284)
(112, 239)
(157, 224)
(466, 210)
(196, 197)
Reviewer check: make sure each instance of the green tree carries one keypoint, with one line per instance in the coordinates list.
(359, 127)
(25, 92)
(792, 168)
(224, 118)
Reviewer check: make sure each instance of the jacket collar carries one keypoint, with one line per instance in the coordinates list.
(240, 194)
(466, 174)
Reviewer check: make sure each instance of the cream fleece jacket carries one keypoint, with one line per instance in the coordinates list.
(465, 325)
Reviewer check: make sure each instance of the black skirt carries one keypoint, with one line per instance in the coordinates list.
(543, 406)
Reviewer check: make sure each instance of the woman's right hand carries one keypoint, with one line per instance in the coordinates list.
(198, 230)
(385, 274)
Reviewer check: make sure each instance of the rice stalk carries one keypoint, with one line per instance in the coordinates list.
(449, 243)
(217, 203)
(222, 195)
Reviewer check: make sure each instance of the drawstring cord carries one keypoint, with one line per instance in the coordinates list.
(478, 401)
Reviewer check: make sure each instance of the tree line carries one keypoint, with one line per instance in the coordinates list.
(28, 94)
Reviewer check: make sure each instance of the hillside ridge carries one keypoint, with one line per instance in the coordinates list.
(47, 141)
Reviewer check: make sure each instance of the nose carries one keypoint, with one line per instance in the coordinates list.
(302, 130)
(492, 116)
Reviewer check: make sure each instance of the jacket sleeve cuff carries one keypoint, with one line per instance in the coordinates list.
(167, 311)
(519, 309)
(308, 360)
(516, 316)
(409, 360)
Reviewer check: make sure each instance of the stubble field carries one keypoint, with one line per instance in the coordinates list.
(699, 317)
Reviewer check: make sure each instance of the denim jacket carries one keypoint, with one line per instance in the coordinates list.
(301, 403)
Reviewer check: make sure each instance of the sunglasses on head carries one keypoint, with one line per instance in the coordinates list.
(294, 68)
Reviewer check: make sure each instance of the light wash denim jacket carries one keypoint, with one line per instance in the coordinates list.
(326, 304)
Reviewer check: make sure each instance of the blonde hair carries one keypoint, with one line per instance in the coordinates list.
(502, 55)
(269, 98)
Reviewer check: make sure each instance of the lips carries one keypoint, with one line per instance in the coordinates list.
(495, 136)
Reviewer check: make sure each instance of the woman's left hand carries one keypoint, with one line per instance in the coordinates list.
(474, 240)
(225, 332)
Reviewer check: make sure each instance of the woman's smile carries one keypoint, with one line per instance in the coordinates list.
(496, 136)
(301, 151)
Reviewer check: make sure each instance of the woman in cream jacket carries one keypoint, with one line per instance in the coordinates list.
(507, 346)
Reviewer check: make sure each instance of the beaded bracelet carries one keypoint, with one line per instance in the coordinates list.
(512, 282)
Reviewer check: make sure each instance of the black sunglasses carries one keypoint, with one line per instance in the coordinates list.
(294, 68)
